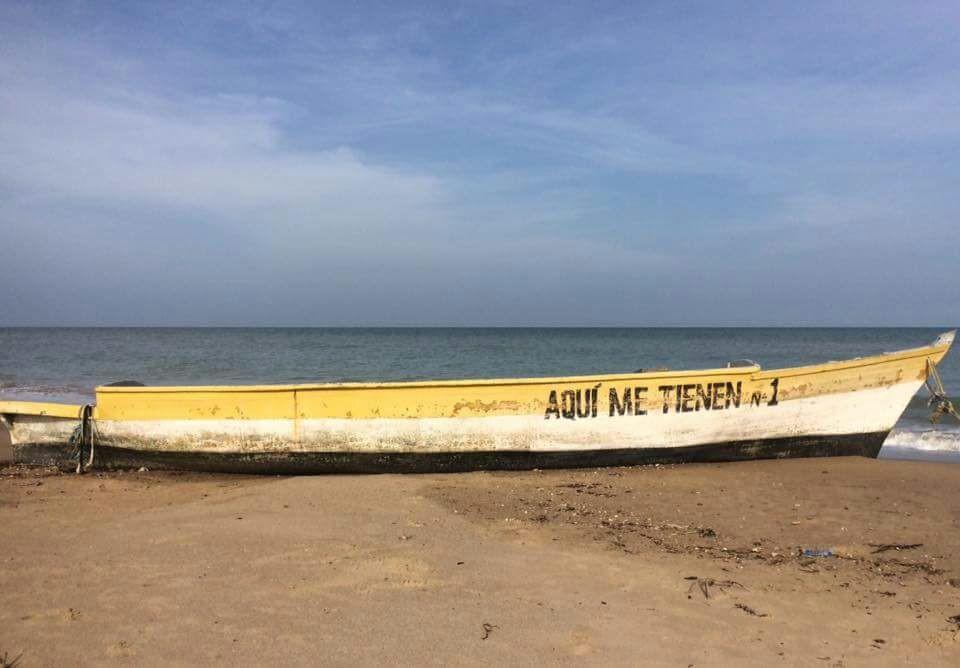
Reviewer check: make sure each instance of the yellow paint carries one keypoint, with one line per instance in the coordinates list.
(480, 398)
(197, 403)
(472, 398)
(39, 408)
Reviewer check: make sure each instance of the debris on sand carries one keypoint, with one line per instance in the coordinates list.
(884, 547)
(704, 585)
(7, 662)
(750, 611)
(487, 629)
(817, 553)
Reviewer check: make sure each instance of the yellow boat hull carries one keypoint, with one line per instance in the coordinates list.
(709, 415)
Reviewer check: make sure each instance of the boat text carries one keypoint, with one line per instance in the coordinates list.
(638, 400)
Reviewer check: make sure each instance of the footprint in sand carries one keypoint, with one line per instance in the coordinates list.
(65, 615)
(581, 641)
(120, 649)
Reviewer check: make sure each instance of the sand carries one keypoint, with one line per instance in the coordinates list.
(682, 565)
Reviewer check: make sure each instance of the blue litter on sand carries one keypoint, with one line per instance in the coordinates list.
(817, 553)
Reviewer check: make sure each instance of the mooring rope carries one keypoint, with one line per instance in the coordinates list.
(939, 403)
(83, 433)
(92, 429)
(75, 439)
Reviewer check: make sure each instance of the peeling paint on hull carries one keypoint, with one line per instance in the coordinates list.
(867, 411)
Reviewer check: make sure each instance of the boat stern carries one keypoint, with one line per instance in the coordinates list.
(38, 434)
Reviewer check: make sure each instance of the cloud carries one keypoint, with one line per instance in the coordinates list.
(220, 156)
(131, 206)
(221, 166)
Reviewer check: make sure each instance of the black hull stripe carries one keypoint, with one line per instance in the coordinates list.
(865, 445)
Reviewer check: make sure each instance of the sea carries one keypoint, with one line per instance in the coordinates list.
(65, 364)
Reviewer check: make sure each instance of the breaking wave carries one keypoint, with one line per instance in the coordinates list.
(938, 440)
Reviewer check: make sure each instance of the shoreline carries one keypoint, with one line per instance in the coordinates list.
(684, 564)
(903, 453)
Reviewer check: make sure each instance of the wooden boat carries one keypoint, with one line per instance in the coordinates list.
(733, 413)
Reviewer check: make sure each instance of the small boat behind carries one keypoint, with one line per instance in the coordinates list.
(733, 413)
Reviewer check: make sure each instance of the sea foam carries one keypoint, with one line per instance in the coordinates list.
(941, 440)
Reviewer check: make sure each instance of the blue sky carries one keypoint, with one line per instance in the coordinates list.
(490, 163)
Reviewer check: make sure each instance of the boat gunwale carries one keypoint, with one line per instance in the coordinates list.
(40, 409)
(756, 371)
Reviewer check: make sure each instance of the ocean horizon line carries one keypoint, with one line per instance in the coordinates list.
(481, 327)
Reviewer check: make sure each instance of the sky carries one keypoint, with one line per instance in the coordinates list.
(480, 163)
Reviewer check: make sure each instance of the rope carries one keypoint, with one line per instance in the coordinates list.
(939, 403)
(93, 433)
(76, 438)
(83, 433)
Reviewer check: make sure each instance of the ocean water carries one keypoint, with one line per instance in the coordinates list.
(67, 363)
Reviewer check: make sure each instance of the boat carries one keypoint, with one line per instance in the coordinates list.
(737, 412)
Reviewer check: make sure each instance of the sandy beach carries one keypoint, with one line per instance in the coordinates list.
(682, 565)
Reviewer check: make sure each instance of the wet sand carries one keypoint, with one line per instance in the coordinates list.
(682, 565)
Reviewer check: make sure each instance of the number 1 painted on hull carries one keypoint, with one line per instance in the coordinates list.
(775, 383)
